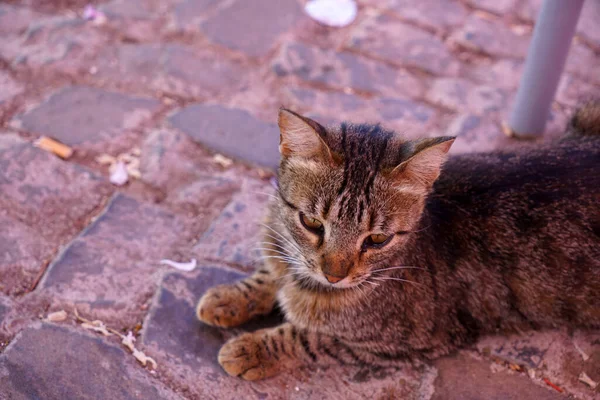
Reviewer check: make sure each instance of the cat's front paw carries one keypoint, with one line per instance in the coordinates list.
(224, 306)
(245, 357)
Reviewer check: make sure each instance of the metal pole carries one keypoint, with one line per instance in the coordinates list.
(547, 54)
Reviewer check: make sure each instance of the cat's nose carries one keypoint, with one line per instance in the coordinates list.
(332, 279)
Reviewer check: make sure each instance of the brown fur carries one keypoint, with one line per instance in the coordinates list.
(500, 242)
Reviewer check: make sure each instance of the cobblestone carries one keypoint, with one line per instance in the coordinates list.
(8, 87)
(462, 95)
(403, 114)
(54, 41)
(170, 68)
(182, 80)
(433, 14)
(461, 377)
(45, 201)
(76, 366)
(495, 6)
(258, 31)
(79, 115)
(231, 131)
(235, 233)
(114, 263)
(491, 37)
(556, 356)
(344, 70)
(399, 43)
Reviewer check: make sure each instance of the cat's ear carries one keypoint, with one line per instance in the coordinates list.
(301, 136)
(425, 162)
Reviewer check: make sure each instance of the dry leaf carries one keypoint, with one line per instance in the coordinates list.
(57, 316)
(583, 377)
(128, 341)
(106, 159)
(189, 266)
(143, 358)
(583, 353)
(222, 160)
(97, 326)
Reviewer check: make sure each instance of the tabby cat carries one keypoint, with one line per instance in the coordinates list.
(375, 257)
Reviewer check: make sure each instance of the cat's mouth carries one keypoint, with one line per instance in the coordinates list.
(318, 281)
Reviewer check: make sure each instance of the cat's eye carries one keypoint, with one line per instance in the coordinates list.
(376, 241)
(312, 224)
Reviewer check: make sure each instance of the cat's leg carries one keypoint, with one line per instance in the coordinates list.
(267, 352)
(233, 304)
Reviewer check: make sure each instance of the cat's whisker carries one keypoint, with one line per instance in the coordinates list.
(389, 278)
(272, 250)
(288, 241)
(287, 260)
(265, 194)
(273, 244)
(398, 267)
(297, 251)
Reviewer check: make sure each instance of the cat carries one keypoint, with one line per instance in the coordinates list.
(380, 250)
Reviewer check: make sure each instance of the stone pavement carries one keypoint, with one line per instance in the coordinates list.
(179, 80)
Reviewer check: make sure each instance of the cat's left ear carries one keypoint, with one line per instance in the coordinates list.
(301, 137)
(425, 162)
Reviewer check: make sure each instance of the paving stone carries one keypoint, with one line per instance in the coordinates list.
(188, 350)
(78, 115)
(579, 61)
(14, 20)
(170, 68)
(138, 20)
(58, 41)
(8, 87)
(574, 91)
(555, 355)
(491, 37)
(504, 74)
(52, 197)
(262, 24)
(235, 234)
(22, 255)
(463, 95)
(131, 9)
(51, 362)
(113, 266)
(400, 43)
(495, 6)
(344, 70)
(230, 131)
(434, 14)
(189, 13)
(476, 134)
(399, 113)
(4, 309)
(172, 325)
(529, 10)
(588, 23)
(464, 378)
(204, 198)
(170, 159)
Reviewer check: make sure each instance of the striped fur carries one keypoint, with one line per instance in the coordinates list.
(500, 242)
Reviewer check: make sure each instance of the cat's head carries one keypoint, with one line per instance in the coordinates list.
(349, 197)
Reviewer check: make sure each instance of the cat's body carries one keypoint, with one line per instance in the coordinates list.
(390, 265)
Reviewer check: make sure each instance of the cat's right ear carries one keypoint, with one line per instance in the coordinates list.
(301, 137)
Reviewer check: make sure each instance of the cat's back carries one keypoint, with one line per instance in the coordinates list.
(531, 220)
